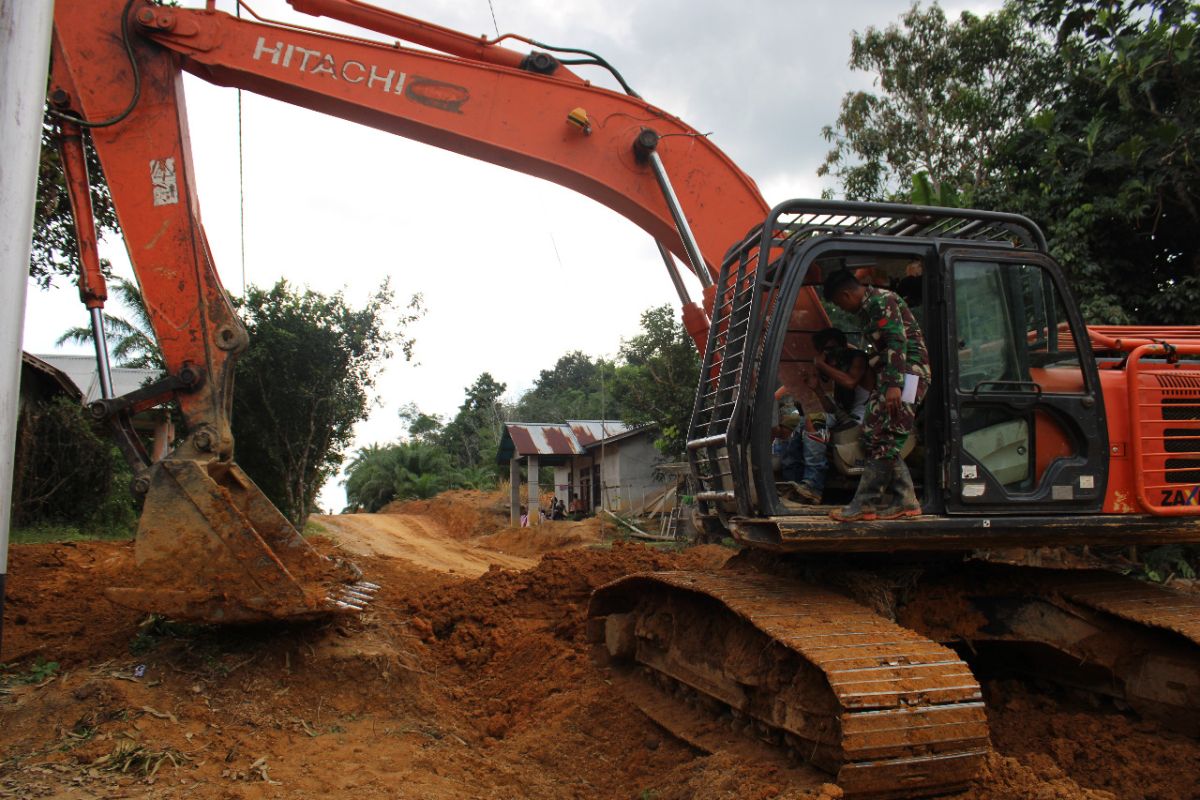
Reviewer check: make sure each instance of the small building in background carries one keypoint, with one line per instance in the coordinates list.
(41, 381)
(77, 377)
(607, 463)
(63, 463)
(82, 371)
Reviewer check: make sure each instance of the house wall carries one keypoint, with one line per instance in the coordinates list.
(634, 473)
(626, 474)
(580, 479)
(610, 475)
(562, 487)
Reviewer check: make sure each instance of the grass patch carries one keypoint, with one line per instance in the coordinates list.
(38, 672)
(312, 528)
(155, 629)
(42, 534)
(666, 547)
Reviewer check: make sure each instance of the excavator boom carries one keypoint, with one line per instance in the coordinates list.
(210, 545)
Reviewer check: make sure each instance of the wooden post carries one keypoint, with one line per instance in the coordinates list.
(514, 489)
(534, 505)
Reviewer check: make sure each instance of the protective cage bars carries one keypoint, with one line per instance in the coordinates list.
(744, 308)
(712, 438)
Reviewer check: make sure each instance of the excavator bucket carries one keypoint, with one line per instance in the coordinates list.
(212, 548)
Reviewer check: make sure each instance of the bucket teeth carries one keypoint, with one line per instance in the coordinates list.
(354, 596)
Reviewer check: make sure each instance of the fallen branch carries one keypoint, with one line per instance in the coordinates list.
(160, 714)
(635, 530)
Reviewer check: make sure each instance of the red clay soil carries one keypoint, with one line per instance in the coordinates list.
(465, 513)
(446, 688)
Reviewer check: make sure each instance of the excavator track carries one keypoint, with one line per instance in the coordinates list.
(1155, 633)
(1137, 602)
(889, 712)
(1106, 634)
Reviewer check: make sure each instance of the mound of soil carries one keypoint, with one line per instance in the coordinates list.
(548, 537)
(464, 513)
(447, 687)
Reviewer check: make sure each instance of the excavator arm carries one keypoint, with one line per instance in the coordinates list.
(210, 546)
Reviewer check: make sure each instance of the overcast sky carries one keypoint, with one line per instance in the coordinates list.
(514, 271)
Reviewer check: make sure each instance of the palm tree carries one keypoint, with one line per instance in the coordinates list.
(405, 471)
(370, 477)
(480, 477)
(421, 472)
(131, 341)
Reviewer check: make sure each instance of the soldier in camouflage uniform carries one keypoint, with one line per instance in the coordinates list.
(890, 326)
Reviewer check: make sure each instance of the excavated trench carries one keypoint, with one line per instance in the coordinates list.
(475, 684)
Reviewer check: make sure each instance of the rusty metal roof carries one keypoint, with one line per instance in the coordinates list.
(591, 431)
(533, 438)
(552, 443)
(555, 444)
(57, 376)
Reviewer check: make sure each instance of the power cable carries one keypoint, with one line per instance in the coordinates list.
(494, 23)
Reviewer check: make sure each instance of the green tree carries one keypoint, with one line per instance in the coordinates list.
(472, 438)
(369, 481)
(422, 427)
(421, 471)
(303, 383)
(576, 388)
(1111, 169)
(481, 477)
(949, 94)
(54, 251)
(131, 341)
(67, 472)
(404, 471)
(657, 380)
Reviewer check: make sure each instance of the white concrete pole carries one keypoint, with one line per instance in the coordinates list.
(24, 62)
(534, 505)
(514, 489)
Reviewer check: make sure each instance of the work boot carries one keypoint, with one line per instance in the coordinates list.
(805, 493)
(904, 496)
(874, 478)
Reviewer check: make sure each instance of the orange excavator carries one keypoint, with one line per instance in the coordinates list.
(859, 644)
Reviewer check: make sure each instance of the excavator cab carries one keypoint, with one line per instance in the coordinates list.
(1013, 431)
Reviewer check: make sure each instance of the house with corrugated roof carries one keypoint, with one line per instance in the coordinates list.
(83, 373)
(607, 463)
(77, 376)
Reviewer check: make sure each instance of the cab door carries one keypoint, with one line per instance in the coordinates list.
(1027, 433)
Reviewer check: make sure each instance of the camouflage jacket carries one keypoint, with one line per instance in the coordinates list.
(890, 325)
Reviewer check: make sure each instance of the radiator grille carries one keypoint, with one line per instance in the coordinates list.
(1180, 402)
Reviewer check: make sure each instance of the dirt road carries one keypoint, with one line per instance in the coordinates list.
(449, 686)
(420, 540)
